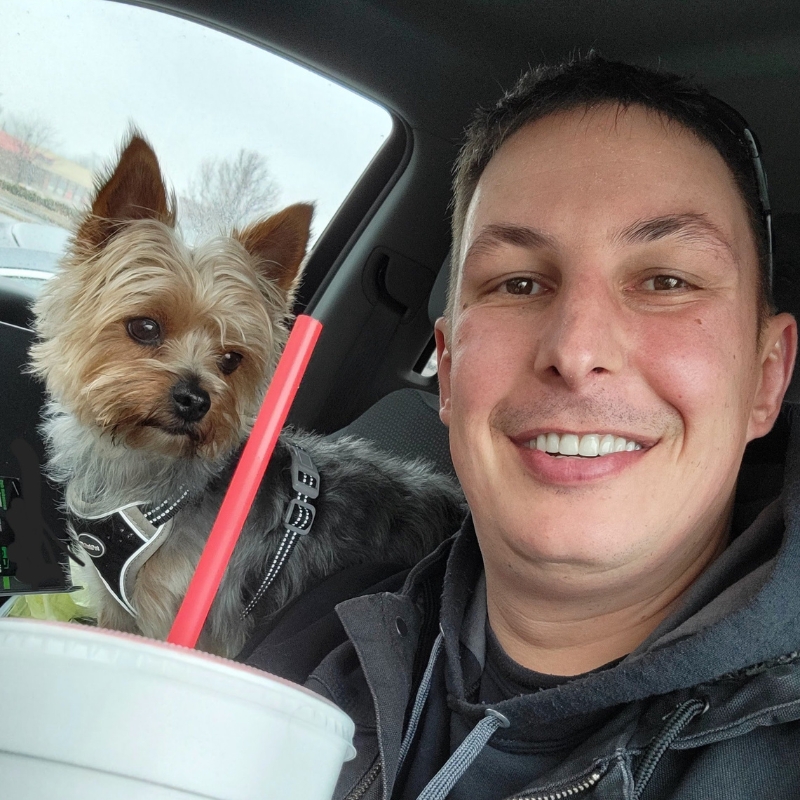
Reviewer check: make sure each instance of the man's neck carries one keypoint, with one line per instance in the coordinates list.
(546, 629)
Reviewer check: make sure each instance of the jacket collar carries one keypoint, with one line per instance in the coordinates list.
(385, 630)
(737, 614)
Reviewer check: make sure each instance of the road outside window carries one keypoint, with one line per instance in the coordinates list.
(240, 132)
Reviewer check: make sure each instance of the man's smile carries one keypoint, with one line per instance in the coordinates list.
(571, 459)
(564, 456)
(587, 445)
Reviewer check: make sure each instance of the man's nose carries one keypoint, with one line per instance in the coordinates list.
(582, 336)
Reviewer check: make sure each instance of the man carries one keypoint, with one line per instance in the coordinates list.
(609, 622)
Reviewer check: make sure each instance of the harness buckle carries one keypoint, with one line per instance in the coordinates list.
(299, 516)
(305, 477)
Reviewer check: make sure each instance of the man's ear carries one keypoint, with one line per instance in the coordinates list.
(779, 348)
(133, 191)
(279, 243)
(441, 331)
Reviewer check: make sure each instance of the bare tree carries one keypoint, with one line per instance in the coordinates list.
(228, 193)
(93, 161)
(33, 134)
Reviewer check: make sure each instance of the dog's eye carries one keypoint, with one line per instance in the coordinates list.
(144, 330)
(229, 362)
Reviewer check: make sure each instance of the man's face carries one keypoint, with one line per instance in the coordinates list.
(607, 300)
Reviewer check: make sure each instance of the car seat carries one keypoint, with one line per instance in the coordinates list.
(406, 422)
(16, 300)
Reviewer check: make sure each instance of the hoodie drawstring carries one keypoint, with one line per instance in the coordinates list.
(446, 778)
(676, 722)
(459, 762)
(419, 702)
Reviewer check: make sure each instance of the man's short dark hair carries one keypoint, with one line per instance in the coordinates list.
(588, 82)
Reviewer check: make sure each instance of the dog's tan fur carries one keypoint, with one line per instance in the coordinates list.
(230, 294)
(118, 434)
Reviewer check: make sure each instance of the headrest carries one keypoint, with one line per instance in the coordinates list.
(438, 297)
(786, 279)
(786, 235)
(16, 300)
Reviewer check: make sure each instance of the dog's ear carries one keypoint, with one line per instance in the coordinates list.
(135, 190)
(279, 243)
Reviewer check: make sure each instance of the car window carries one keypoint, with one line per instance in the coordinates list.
(239, 131)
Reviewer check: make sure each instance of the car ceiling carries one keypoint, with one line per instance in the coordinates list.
(433, 62)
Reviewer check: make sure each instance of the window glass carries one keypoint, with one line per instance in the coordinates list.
(239, 131)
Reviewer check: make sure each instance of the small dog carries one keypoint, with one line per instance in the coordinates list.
(156, 358)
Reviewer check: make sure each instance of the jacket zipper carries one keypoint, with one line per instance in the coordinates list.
(589, 782)
(363, 785)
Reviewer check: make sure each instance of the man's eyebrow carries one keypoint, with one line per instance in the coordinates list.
(493, 236)
(691, 227)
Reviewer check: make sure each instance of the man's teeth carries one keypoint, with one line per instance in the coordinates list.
(590, 445)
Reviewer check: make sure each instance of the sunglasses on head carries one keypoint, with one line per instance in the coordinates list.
(736, 126)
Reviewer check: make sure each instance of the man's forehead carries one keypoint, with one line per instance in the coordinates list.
(601, 123)
(656, 175)
(594, 136)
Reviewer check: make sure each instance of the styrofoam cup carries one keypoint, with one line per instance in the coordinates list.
(97, 715)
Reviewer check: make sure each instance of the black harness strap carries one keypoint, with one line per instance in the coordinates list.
(119, 543)
(297, 520)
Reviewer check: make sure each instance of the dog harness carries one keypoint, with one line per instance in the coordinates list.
(120, 543)
(297, 519)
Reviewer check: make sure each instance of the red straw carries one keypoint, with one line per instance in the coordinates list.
(245, 482)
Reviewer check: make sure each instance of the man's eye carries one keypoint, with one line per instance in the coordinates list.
(665, 283)
(520, 286)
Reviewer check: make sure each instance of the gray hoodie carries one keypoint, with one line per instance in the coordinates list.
(708, 706)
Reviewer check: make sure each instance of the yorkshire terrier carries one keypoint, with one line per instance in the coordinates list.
(156, 357)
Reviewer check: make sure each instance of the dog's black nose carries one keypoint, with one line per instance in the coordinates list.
(190, 401)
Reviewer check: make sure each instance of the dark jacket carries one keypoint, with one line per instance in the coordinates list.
(708, 706)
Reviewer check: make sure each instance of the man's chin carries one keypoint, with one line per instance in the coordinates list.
(568, 551)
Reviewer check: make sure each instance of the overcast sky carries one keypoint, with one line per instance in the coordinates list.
(91, 67)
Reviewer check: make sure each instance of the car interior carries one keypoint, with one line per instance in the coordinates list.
(430, 64)
(371, 278)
